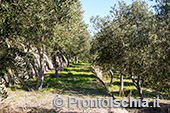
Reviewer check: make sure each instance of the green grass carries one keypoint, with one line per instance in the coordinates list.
(80, 79)
(76, 79)
(129, 88)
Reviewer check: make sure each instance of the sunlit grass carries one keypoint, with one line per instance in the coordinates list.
(129, 88)
(79, 79)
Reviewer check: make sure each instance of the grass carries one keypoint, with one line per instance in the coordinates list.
(129, 88)
(79, 79)
(76, 79)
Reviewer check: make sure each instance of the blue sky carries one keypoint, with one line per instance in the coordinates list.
(100, 7)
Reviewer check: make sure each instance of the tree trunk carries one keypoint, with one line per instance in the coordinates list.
(34, 68)
(99, 77)
(77, 59)
(121, 85)
(42, 68)
(10, 76)
(111, 73)
(56, 64)
(68, 60)
(137, 84)
(73, 60)
(121, 82)
(68, 63)
(61, 63)
(56, 72)
(139, 89)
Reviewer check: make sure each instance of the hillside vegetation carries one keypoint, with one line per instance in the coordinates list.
(47, 50)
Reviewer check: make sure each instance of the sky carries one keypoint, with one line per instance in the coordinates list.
(100, 7)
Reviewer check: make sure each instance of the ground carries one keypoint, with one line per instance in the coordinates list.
(75, 81)
(79, 81)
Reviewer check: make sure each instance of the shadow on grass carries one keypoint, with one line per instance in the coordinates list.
(134, 93)
(69, 82)
(85, 84)
(125, 83)
(77, 65)
(77, 70)
(80, 64)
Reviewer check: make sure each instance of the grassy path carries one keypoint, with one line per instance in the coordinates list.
(76, 81)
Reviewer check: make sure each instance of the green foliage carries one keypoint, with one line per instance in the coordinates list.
(45, 26)
(135, 42)
(71, 35)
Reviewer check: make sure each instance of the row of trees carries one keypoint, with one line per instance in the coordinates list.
(134, 41)
(131, 41)
(31, 32)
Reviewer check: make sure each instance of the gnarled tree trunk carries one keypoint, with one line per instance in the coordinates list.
(74, 60)
(121, 85)
(77, 59)
(137, 84)
(56, 64)
(10, 76)
(35, 70)
(42, 68)
(68, 63)
(140, 92)
(61, 63)
(68, 60)
(111, 73)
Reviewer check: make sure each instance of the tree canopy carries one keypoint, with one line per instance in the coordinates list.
(136, 43)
